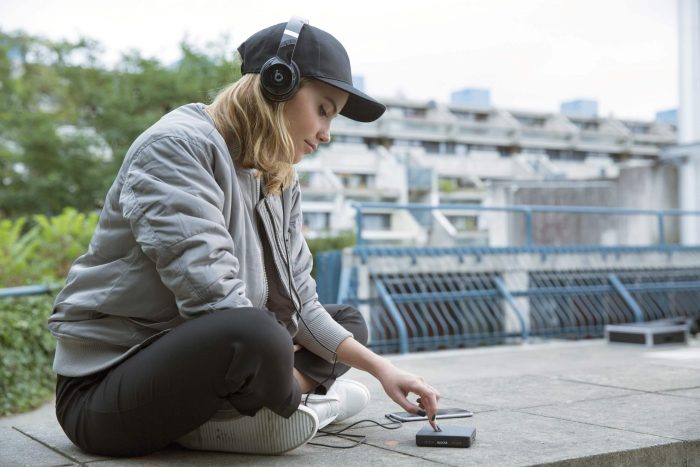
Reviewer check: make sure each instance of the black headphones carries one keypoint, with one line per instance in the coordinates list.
(279, 76)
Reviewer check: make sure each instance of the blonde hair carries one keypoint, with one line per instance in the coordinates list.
(257, 126)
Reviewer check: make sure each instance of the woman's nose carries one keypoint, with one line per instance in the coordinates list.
(324, 136)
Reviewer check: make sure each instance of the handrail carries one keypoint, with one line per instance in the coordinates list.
(27, 290)
(526, 210)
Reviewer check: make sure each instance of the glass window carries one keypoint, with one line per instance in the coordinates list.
(317, 220)
(376, 221)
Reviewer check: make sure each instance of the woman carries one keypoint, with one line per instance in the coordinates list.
(193, 316)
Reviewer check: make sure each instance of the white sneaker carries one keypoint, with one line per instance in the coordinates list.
(325, 406)
(264, 433)
(353, 395)
(343, 400)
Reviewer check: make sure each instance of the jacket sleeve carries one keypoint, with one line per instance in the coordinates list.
(174, 206)
(318, 331)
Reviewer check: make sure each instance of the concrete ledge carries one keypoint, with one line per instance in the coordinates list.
(557, 403)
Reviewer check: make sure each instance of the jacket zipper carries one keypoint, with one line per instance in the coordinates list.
(260, 249)
(288, 250)
(293, 294)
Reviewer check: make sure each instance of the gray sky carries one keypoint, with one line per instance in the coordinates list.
(531, 54)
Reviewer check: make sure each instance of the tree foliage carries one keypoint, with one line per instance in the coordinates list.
(67, 120)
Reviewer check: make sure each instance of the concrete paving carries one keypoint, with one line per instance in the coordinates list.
(562, 403)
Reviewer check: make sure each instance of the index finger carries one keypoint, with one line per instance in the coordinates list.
(429, 400)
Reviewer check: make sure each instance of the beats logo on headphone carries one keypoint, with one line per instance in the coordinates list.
(279, 76)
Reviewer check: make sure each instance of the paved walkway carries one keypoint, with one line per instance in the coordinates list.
(568, 403)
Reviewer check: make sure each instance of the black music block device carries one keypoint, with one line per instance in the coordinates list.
(449, 437)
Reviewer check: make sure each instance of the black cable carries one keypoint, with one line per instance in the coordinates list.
(355, 439)
(298, 304)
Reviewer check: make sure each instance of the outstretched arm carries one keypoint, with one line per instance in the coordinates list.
(396, 382)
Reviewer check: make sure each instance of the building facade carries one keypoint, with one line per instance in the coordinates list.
(432, 153)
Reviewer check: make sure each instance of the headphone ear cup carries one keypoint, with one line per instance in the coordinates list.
(279, 80)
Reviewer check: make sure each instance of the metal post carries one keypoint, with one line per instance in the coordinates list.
(662, 233)
(395, 314)
(505, 293)
(358, 225)
(626, 297)
(528, 226)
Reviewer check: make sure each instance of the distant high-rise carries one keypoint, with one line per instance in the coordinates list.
(472, 97)
(580, 108)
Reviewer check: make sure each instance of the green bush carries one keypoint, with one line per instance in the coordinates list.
(40, 253)
(44, 252)
(17, 250)
(26, 353)
(61, 239)
(326, 243)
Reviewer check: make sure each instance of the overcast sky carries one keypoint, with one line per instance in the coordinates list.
(531, 54)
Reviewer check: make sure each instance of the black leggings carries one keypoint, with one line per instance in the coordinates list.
(172, 386)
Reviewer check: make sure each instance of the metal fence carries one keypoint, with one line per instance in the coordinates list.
(426, 298)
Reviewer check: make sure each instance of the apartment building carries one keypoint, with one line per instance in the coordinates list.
(464, 153)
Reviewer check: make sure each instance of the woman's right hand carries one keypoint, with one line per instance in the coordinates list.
(398, 384)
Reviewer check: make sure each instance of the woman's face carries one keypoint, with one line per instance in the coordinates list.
(309, 114)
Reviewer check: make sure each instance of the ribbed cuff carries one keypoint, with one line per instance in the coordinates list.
(324, 337)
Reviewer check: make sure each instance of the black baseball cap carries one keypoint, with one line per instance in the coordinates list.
(318, 55)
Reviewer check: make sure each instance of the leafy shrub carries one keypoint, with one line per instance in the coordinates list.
(61, 239)
(17, 250)
(26, 353)
(44, 252)
(326, 243)
(32, 255)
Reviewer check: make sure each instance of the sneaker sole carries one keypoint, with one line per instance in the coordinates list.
(265, 433)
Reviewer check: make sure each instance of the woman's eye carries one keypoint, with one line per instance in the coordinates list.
(322, 111)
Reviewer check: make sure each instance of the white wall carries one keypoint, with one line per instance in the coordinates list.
(689, 113)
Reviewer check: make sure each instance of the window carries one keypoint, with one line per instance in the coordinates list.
(317, 220)
(357, 181)
(590, 125)
(536, 122)
(450, 184)
(412, 112)
(638, 128)
(463, 223)
(376, 221)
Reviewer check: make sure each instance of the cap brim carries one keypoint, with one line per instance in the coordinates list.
(359, 107)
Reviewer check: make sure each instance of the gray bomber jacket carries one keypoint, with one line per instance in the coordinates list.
(178, 237)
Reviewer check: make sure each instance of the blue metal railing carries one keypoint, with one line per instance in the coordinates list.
(28, 290)
(433, 297)
(418, 308)
(526, 211)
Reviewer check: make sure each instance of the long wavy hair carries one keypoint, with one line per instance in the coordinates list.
(257, 126)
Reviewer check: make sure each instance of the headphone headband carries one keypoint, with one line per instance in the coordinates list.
(279, 76)
(289, 39)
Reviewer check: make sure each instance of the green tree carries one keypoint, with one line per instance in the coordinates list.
(66, 120)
